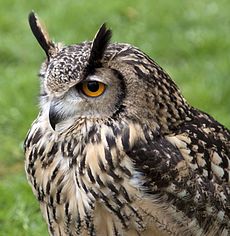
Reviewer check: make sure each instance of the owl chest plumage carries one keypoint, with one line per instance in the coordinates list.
(84, 181)
(87, 184)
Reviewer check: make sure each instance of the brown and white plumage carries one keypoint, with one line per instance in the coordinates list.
(136, 160)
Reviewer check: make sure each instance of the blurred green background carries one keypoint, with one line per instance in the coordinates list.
(190, 39)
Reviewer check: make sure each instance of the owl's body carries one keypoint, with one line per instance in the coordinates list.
(135, 159)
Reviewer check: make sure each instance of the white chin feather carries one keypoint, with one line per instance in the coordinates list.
(64, 125)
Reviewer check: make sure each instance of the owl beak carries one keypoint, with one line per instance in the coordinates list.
(57, 114)
(53, 117)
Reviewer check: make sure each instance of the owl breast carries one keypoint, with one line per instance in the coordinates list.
(85, 182)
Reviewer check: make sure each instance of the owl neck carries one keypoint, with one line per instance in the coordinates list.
(166, 106)
(169, 106)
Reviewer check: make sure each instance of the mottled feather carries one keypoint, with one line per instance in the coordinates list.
(135, 160)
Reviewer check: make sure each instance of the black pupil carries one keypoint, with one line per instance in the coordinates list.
(93, 86)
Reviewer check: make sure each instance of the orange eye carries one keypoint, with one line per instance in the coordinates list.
(93, 88)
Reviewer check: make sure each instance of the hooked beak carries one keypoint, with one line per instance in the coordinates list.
(54, 115)
(53, 119)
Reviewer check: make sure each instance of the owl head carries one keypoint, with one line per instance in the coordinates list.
(103, 80)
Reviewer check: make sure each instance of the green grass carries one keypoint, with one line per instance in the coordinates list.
(190, 39)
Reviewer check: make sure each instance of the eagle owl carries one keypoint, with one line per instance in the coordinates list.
(117, 150)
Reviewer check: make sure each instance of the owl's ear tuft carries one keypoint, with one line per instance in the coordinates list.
(41, 34)
(99, 45)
